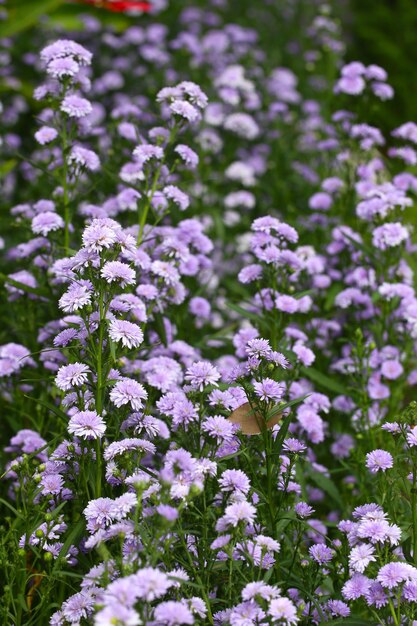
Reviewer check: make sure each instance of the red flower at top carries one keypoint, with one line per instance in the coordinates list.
(121, 6)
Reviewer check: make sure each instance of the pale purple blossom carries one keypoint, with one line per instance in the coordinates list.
(76, 106)
(87, 425)
(128, 391)
(47, 222)
(73, 375)
(129, 334)
(45, 135)
(379, 460)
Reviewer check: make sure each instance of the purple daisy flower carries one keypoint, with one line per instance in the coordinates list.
(321, 553)
(379, 460)
(284, 610)
(202, 374)
(177, 196)
(76, 297)
(128, 333)
(84, 158)
(47, 222)
(188, 156)
(116, 271)
(269, 390)
(45, 135)
(73, 375)
(128, 391)
(63, 67)
(219, 427)
(173, 613)
(87, 425)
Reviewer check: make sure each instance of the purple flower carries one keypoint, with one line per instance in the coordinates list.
(219, 427)
(172, 613)
(393, 574)
(242, 511)
(389, 235)
(245, 613)
(360, 557)
(170, 513)
(102, 233)
(75, 106)
(188, 156)
(84, 158)
(116, 271)
(250, 273)
(99, 513)
(151, 583)
(379, 460)
(407, 131)
(242, 124)
(52, 484)
(283, 609)
(234, 480)
(185, 110)
(167, 271)
(76, 297)
(303, 510)
(78, 606)
(200, 307)
(304, 354)
(321, 553)
(63, 67)
(287, 304)
(128, 333)
(201, 374)
(338, 608)
(269, 390)
(66, 48)
(320, 201)
(128, 391)
(356, 587)
(145, 152)
(47, 222)
(177, 196)
(295, 446)
(87, 425)
(117, 613)
(45, 135)
(73, 375)
(392, 369)
(258, 348)
(412, 437)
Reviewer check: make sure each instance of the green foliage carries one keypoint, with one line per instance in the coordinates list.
(385, 33)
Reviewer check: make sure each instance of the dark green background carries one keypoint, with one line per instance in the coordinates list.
(385, 32)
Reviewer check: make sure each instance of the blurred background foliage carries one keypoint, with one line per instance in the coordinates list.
(376, 31)
(385, 32)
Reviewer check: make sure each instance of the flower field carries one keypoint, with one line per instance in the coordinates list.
(208, 351)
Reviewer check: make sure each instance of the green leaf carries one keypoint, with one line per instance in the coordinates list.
(38, 291)
(247, 314)
(71, 539)
(325, 483)
(25, 14)
(281, 407)
(7, 166)
(349, 621)
(50, 407)
(282, 433)
(323, 380)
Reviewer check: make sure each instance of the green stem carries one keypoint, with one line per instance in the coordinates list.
(65, 188)
(99, 391)
(414, 512)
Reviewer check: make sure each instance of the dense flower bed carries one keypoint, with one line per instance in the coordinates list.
(210, 326)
